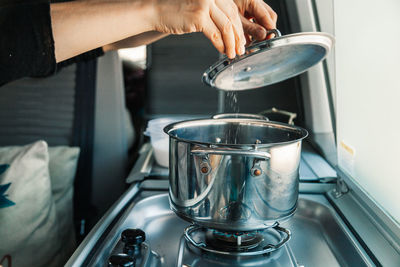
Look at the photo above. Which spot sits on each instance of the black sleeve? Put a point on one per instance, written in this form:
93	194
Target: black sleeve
26	41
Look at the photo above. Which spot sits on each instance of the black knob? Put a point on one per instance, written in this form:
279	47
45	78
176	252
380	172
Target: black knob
133	237
121	260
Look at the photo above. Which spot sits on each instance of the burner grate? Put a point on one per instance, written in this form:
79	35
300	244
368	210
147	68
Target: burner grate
226	241
237	244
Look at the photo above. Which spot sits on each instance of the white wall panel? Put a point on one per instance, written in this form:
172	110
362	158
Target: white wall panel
368	96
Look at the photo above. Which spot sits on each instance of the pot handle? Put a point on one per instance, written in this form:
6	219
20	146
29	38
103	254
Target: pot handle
291	116
250	153
240	116
285	237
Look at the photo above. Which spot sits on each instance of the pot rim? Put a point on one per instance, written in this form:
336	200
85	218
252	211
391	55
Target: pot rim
303	132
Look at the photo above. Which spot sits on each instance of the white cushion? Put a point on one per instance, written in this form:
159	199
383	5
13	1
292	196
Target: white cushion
28	229
62	167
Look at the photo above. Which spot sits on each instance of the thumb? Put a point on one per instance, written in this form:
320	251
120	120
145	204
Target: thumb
253	29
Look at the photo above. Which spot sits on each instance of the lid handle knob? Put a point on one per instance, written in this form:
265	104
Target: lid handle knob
274	31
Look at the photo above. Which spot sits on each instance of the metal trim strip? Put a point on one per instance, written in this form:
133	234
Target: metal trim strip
379	232
81	253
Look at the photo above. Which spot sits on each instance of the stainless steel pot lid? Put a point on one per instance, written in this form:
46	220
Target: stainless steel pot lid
270	61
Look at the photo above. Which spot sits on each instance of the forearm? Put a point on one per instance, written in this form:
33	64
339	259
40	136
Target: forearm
80	26
137	40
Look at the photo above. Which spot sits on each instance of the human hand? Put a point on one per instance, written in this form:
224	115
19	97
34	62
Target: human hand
257	18
219	20
144	38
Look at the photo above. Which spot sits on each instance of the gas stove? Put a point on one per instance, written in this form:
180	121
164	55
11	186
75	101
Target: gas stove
318	238
170	241
142	230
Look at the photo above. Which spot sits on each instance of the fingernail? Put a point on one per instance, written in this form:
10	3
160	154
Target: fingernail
241	50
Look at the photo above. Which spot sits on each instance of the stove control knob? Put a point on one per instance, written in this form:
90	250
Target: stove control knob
133	237
121	260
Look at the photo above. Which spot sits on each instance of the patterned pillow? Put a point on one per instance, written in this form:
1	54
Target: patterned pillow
28	224
4	202
62	167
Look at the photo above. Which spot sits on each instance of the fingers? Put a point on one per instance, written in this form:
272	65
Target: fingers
272	13
214	35
248	40
231	11
226	19
229	30
226	29
274	18
256	31
263	14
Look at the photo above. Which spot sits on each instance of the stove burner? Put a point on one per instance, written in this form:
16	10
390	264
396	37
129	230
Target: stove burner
237	244
226	241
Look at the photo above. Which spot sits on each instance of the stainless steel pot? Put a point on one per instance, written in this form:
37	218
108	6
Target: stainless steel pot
234	174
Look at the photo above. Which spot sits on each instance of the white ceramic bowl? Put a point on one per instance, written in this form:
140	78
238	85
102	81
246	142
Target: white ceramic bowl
160	140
